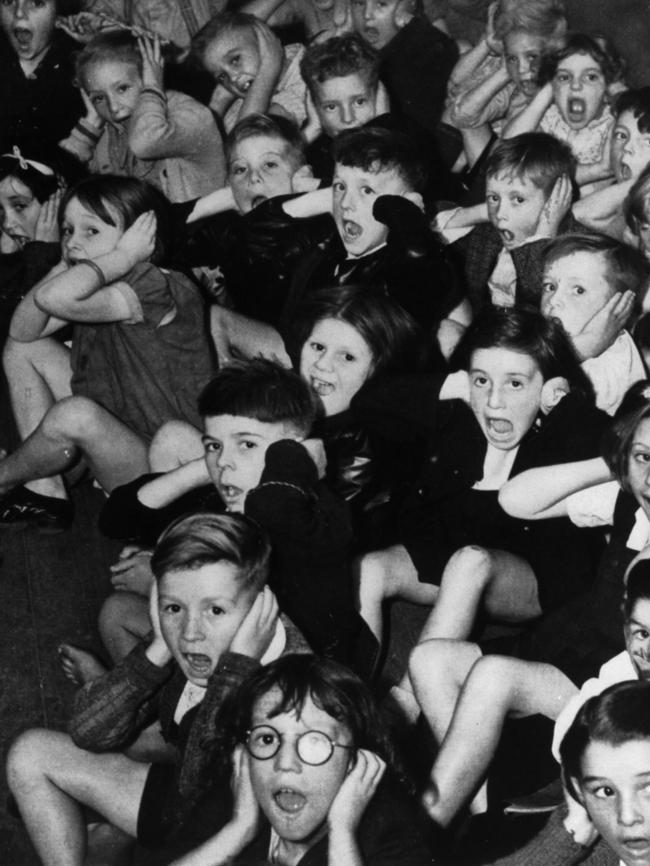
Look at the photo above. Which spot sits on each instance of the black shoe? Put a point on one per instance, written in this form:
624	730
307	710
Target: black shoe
21	508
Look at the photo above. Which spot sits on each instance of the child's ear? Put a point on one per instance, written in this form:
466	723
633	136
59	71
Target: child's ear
303	180
553	391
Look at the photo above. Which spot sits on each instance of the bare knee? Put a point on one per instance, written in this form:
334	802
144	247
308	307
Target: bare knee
174	444
470	564
27	760
492	675
435	660
75	418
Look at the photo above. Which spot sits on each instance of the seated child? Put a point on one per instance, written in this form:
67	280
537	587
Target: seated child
253	72
307	731
342	78
213	621
139	351
39	104
630	153
605	763
528	193
499	76
134	127
528	399
416	58
574	106
482	690
240	230
256	456
31	186
588	277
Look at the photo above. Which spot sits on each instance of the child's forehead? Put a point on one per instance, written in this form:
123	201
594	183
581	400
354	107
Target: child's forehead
257	145
579	59
511	179
308	716
341	85
373	174
640	612
579	261
227	426
503	359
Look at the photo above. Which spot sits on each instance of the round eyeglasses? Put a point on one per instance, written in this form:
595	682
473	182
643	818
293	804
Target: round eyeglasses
313	747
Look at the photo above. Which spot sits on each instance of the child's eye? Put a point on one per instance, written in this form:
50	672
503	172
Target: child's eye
328	106
492	198
642	457
562	77
338	186
171	608
642	633
271	165
235	60
317	347
593	77
247	445
212	447
361	100
66	231
603	792
123	88
620	135
216	610
367	190
548	287
91	232
519	199
516	384
479	381
348	357
96	99
579	290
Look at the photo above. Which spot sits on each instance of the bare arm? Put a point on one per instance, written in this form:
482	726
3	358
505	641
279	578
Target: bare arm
260	93
530	117
215	202
165	489
310	204
29	321
542	492
597	209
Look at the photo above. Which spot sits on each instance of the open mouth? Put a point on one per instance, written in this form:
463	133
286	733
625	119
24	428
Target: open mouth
321	387
528	87
290	801
19	240
636	847
625	172
507	236
23	37
229	493
258	200
242	87
576	109
198	664
352	231
499	426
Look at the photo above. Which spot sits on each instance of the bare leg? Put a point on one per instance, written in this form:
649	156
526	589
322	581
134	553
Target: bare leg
495	688
175	444
114	453
123	623
503	583
38	375
384	574
50	777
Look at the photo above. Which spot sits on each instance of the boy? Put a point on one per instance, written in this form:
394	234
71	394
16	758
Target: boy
256	456
342	77
252	70
213	621
312	775
587	278
39	105
416	59
528	195
238	229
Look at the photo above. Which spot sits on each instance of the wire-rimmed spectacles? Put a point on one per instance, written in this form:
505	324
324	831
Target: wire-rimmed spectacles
313	747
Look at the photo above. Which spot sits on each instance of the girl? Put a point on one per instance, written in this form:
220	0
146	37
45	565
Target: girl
30	194
528	400
314	778
497	78
574	105
134	127
139	351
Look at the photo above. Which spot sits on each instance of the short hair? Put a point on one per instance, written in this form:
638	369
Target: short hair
393	336
118	45
628	270
222	22
374	149
263	390
273	126
636	207
543	18
206	538
525	330
637	587
338	57
130	197
601	51
618	715
535	156
331	686
619	436
638	102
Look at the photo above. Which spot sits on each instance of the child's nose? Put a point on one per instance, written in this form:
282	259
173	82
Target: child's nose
495	397
628	811
193	627
286	758
368	12
20	9
347	114
225	458
324	361
576	84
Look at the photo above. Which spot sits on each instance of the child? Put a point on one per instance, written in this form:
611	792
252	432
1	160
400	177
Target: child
523	377
574	106
308	732
241	229
636	210
497	78
605	763
213	621
528	193
139	351
134	127
251	68
38	101
30	195
630	153
586	277
416	58
256	455
342	78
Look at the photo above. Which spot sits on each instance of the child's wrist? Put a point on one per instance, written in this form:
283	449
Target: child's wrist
158	653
